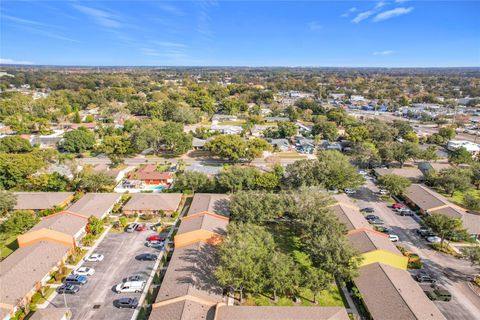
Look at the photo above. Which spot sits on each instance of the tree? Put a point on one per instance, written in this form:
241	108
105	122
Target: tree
255	206
448	133
76	117
77	141
472	254
395	184
316	280
194	181
336	172
243	255
445	226
19	222
301	173
96	182
281	274
231	147
326	130
115	144
47	182
365	154
451	180
15	168
7	202
15	144
403	152
94	226
358	134
429	154
459	156
471	202
476	174
237	178
286	129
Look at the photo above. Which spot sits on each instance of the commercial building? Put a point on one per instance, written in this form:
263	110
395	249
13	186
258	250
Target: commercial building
152	203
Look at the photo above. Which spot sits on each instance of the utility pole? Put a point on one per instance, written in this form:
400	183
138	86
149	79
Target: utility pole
65	299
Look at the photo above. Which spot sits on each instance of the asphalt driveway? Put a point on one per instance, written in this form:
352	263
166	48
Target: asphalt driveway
95	298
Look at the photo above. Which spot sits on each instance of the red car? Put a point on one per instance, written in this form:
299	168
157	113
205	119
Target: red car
156	237
141	227
398	205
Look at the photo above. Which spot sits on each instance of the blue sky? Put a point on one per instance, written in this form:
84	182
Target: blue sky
394	33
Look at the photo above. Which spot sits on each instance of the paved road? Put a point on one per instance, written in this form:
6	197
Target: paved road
95	299
452	273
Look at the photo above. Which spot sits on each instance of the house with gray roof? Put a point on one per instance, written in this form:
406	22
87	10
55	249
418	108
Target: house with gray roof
37	201
211	202
152	203
95	204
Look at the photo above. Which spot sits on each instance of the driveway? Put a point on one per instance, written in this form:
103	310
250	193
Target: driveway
95	299
451	272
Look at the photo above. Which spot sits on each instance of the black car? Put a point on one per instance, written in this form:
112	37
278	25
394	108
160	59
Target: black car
424	277
131	303
146	257
75	279
134	278
372	217
68	288
368	210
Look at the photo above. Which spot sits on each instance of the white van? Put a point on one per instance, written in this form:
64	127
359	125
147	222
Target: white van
130	286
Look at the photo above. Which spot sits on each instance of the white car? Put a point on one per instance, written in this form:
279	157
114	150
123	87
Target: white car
130	286
95	257
363	172
350	191
434	239
393	237
383	192
84	271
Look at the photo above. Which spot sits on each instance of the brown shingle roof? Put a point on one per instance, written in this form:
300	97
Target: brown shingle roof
280	313
96	204
366	241
64	222
391	294
190	272
40	200
204	221
154	201
423	197
183	310
21	270
350	217
211	202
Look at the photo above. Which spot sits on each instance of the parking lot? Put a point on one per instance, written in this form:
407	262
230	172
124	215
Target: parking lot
95	298
452	273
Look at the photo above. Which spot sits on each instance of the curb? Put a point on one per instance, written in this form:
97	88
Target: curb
470	285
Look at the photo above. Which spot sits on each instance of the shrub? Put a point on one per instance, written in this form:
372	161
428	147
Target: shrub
471	202
88	240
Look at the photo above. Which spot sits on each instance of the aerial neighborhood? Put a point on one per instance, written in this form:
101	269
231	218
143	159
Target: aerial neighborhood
239	194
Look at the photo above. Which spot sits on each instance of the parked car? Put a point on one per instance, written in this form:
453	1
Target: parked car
434	239
393	237
368	210
131	227
141	227
94	257
376	221
134	278
372	217
424	277
398	205
156	237
84	271
384	229
422	231
131	303
130	286
363	172
154	244
68	288
383	192
146	257
439	295
405	212
350	191
75	279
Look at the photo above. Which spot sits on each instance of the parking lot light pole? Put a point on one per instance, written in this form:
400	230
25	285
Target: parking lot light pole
65	299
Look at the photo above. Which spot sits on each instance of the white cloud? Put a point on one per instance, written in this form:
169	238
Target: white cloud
12	61
383	53
169	44
103	18
392	13
171	9
401	1
349	11
314	25
362	16
22	21
380	4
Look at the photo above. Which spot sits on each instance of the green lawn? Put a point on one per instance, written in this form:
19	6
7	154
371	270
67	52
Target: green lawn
329	297
458	195
8	245
37	297
290	155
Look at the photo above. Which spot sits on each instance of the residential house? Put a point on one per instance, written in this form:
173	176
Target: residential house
472	148
216	118
280	144
198	144
148	175
386	288
211	202
277	119
429	167
226	129
37	201
430	202
410	173
152	203
98	205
